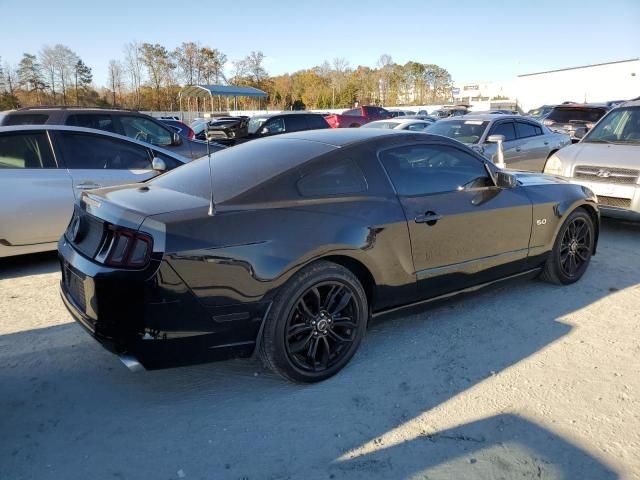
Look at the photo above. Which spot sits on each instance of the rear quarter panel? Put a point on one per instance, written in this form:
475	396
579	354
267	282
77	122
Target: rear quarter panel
244	256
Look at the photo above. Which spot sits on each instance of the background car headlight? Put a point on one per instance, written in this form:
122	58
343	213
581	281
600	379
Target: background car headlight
553	166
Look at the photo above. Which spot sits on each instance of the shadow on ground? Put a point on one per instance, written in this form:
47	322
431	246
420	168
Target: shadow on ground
70	410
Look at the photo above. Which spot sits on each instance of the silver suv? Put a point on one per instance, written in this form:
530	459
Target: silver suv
129	123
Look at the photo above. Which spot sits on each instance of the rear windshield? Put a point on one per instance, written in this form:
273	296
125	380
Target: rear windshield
26	119
465	131
574	114
240	168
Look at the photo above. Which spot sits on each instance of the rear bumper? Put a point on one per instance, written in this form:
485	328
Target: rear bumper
151	315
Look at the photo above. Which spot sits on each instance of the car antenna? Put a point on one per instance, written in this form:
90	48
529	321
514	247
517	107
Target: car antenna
212	205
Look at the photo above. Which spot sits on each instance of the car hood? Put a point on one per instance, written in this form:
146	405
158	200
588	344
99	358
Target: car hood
601	154
129	205
532	178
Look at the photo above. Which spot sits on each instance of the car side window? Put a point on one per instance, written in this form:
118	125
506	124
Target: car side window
145	130
25	119
83	151
353	113
342	178
96	121
26	151
526	130
317	121
429	169
275	125
295	122
417	127
506	129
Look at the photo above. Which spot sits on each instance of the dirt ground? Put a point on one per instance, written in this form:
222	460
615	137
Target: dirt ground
527	381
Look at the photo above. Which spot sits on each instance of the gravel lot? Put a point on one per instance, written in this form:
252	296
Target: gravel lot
526	381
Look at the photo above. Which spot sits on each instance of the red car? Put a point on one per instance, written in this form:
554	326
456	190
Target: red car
357	117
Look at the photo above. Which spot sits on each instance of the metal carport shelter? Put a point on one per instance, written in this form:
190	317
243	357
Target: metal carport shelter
209	91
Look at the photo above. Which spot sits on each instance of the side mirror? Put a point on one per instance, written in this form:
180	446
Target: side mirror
158	164
176	139
264	131
506	180
579	133
498	140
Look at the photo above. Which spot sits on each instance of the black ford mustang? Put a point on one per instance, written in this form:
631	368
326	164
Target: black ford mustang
310	235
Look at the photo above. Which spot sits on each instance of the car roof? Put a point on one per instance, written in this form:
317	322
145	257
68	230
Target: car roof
66	128
486	117
291	112
630	103
399	120
342	137
582	105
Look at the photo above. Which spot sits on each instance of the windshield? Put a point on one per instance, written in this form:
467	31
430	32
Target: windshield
465	131
255	123
620	126
573	114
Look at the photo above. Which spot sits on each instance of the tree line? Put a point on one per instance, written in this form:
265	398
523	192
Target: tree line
149	77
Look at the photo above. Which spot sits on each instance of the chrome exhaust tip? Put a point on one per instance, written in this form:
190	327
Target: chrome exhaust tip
131	363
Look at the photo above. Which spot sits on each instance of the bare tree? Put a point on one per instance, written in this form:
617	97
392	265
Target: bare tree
65	61
30	75
254	64
133	62
385	70
115	79
187	57
210	66
49	64
157	61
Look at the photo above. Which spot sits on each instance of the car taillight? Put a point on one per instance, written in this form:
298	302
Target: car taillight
191	134
127	248
548	122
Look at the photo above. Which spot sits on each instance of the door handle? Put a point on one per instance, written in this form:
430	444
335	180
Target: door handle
87	186
518	149
546	143
430	218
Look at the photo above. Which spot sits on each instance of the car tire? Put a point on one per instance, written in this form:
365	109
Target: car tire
315	324
571	251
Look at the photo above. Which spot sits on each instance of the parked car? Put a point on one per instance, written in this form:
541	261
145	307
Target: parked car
541	112
46	167
129	123
607	160
527	144
356	117
401	123
427	118
226	130
282	122
447	112
182	128
400	113
575	119
304	236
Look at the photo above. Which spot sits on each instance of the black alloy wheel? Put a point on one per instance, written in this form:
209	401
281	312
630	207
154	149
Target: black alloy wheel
576	247
322	326
315	324
572	249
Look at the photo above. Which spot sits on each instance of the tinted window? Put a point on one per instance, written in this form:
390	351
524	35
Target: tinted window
170	162
97	121
275	125
417	127
575	114
427	169
353	113
146	130
96	152
317	121
241	168
465	131
527	130
25	150
26	119
340	179
506	129
295	123
622	125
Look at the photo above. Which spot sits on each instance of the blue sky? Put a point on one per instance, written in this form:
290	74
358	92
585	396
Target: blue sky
475	40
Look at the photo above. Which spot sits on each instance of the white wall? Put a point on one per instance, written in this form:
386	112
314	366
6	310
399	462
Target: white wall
601	83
